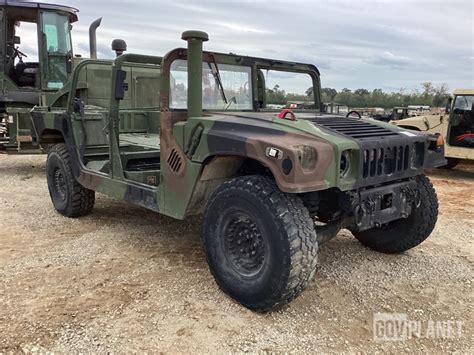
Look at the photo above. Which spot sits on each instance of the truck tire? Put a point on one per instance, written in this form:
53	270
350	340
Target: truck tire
404	234
260	243
69	198
452	162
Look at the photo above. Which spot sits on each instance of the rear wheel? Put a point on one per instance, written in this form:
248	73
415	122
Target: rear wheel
403	234
260	243
69	198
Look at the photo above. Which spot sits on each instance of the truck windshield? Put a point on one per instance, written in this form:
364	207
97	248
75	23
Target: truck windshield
57	44
236	82
292	90
464	102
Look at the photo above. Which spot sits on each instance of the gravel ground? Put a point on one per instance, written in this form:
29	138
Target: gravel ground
126	279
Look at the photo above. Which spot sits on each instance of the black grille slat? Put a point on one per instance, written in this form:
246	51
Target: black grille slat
353	128
385	161
368	134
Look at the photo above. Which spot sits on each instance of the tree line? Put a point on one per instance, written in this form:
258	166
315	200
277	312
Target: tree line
428	94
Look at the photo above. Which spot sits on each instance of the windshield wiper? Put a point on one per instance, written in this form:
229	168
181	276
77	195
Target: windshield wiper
217	78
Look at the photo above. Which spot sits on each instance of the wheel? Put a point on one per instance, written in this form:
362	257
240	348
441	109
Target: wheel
452	162
69	198
260	243
403	234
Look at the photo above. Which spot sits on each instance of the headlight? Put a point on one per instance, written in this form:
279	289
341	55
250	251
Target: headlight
345	165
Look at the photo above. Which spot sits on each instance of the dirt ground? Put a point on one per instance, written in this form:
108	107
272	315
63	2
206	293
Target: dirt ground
126	279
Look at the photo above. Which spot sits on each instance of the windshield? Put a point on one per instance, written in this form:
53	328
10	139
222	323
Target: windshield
224	87
288	89
57	42
464	102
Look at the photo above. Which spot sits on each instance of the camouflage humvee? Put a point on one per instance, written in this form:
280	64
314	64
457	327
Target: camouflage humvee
190	133
456	125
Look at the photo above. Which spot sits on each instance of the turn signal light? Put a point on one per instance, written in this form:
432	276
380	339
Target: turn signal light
439	141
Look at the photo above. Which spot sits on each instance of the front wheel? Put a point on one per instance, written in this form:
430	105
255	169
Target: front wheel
69	198
260	243
403	234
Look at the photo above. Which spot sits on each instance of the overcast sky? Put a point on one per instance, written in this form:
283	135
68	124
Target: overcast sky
355	44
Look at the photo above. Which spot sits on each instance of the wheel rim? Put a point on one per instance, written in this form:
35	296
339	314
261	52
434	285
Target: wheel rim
244	245
59	183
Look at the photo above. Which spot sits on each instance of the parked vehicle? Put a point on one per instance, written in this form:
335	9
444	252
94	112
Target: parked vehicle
30	79
456	126
190	133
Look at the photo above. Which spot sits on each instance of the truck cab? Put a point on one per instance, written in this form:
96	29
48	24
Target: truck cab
36	57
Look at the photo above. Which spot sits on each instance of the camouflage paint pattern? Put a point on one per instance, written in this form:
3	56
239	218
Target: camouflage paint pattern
197	153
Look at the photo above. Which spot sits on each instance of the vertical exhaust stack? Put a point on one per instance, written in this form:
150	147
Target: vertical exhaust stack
93	37
195	39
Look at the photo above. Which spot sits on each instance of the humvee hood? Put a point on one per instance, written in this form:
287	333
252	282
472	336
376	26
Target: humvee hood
319	125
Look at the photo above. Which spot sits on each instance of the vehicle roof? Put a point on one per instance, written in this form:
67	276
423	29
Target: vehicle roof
39	5
463	92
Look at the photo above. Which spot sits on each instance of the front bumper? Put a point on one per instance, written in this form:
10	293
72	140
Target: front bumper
372	208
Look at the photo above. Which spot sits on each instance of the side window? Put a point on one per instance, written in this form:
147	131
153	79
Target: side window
51	33
21	63
28	38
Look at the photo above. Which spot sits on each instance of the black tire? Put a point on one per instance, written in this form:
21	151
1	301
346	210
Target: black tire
275	227
69	198
452	162
404	234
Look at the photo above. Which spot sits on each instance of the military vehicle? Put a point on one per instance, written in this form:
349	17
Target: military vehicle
190	133
456	125
337	109
397	113
42	66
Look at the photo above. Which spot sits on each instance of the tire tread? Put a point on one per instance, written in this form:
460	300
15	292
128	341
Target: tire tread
292	219
82	198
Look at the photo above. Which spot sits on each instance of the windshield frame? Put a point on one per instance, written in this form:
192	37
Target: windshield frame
234	59
316	103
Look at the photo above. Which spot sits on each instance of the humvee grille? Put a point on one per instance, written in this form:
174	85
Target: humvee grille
385	161
353	128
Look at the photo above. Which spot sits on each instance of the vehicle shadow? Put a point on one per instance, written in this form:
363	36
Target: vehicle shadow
462	171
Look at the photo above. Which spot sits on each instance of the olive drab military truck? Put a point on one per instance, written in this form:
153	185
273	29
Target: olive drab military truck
36	61
456	126
190	133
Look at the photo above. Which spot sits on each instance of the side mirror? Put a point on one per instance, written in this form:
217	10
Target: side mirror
17	40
